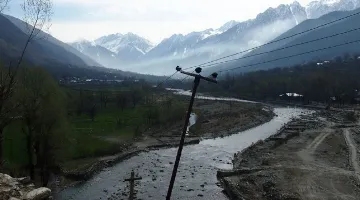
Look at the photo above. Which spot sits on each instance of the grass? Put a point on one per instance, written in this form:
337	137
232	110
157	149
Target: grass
112	130
89	138
15	152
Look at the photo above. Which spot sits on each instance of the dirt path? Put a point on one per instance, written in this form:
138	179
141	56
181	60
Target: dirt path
306	153
353	153
317	141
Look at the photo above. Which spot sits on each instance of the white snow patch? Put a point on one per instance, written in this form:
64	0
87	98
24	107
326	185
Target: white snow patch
329	2
291	10
93	43
141	51
211	33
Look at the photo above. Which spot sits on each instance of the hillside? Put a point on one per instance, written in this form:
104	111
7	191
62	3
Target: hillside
329	54
12	41
60	59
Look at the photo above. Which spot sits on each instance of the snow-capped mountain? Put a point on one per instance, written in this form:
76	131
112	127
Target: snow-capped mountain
114	50
316	9
97	53
228	25
233	36
139	55
125	45
181	46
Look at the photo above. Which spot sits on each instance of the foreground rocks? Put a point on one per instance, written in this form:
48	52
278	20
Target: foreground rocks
310	158
21	188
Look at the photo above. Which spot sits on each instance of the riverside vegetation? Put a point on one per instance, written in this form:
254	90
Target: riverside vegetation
49	126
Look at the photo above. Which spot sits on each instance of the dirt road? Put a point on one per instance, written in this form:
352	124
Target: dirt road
318	161
353	153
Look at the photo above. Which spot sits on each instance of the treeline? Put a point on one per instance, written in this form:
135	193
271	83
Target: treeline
44	125
336	81
32	118
155	106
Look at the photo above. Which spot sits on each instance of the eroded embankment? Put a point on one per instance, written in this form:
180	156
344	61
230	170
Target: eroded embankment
311	158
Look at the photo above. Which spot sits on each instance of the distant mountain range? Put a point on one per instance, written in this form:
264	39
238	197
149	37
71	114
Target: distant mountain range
131	52
59	58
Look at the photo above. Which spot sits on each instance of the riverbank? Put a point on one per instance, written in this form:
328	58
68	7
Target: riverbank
215	119
196	178
313	157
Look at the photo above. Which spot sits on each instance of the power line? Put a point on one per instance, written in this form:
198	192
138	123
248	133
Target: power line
186	77
286	57
274	41
166	79
279	49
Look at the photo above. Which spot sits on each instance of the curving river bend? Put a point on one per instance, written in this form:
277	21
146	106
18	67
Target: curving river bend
196	178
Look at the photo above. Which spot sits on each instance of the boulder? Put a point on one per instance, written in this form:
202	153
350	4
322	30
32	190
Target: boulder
21	188
8	187
38	194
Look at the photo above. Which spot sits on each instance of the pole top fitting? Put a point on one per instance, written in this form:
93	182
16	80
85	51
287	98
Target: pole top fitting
178	68
214	75
198	70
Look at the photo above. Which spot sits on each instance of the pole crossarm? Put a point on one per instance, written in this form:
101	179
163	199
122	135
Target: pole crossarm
198	75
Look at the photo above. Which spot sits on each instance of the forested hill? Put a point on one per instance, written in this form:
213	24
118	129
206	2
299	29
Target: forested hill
338	79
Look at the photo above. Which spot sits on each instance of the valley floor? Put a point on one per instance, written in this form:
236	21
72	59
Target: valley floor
314	157
215	119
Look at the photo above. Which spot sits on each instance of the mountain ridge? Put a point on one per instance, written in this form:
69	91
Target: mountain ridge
198	47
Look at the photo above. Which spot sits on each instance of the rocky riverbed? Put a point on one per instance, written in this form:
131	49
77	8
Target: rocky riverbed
313	157
197	173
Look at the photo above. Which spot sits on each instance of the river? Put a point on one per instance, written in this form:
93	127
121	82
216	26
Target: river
196	178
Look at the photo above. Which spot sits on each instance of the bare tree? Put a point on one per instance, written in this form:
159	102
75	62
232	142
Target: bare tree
37	15
3	5
37	18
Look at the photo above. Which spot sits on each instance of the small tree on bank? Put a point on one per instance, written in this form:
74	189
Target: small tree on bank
43	115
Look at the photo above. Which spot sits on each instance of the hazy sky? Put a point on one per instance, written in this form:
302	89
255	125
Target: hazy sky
152	19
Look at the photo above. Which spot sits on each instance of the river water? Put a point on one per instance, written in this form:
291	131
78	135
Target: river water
196	178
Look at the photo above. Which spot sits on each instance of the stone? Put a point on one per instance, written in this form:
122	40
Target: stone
13	198
24	180
38	194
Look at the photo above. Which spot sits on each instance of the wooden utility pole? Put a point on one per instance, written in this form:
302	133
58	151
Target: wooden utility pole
198	77
132	180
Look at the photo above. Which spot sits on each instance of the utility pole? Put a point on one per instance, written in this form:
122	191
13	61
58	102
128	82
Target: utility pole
132	180
198	77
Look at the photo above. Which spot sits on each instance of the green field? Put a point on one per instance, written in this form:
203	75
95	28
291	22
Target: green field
112	129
